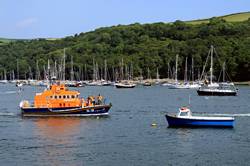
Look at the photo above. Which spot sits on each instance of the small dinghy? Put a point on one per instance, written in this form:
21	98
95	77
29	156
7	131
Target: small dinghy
184	118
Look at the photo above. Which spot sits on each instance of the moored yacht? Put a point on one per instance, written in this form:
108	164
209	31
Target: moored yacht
178	85
210	88
222	90
125	84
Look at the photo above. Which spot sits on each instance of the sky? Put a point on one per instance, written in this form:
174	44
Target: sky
27	19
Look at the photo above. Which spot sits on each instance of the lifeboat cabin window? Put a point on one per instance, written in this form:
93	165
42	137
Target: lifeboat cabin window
55	97
64	96
68	97
73	96
77	96
184	114
51	97
60	97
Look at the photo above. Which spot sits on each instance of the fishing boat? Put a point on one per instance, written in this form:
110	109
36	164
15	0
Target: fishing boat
184	118
58	100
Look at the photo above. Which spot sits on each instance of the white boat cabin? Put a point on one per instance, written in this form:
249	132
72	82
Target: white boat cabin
184	112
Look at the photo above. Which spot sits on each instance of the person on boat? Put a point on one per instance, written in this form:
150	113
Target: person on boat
87	102
99	99
206	82
84	103
91	100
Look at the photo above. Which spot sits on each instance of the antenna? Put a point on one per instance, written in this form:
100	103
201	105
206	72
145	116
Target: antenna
189	100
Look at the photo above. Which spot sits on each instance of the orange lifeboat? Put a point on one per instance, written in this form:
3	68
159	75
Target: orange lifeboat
57	100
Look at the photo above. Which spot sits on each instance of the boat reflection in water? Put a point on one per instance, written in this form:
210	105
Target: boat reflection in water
61	140
57	138
58	127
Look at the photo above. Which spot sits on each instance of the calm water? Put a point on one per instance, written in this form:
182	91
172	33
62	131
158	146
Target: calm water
126	136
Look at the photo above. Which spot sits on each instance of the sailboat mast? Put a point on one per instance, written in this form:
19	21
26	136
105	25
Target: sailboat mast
37	71
97	71
55	70
13	75
105	70
157	74
192	69
176	68
72	70
126	72
131	71
168	70
148	74
223	70
17	69
93	77
48	75
141	77
122	76
5	75
185	76
30	73
64	57
211	69
85	71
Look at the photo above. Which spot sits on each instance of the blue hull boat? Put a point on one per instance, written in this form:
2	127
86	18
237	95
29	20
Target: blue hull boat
185	119
182	122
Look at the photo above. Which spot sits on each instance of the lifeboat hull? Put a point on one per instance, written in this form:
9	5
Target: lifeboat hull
97	110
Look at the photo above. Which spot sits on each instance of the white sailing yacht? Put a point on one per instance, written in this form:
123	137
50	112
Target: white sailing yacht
214	89
125	83
178	85
194	84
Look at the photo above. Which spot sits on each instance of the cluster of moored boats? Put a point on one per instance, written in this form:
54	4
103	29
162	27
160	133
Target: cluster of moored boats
203	88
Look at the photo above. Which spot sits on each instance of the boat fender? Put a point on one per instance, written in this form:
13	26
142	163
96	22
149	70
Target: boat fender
21	104
153	124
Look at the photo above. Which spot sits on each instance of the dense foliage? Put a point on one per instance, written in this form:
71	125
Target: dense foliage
145	46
